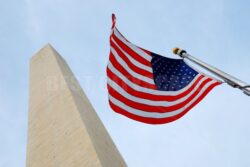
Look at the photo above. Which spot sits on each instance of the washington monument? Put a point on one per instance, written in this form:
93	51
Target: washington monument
64	129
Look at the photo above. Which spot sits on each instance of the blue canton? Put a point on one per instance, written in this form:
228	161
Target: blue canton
171	74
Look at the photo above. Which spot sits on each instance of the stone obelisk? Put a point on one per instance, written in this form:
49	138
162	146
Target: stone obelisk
64	129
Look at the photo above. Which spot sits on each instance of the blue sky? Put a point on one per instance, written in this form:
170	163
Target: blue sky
214	133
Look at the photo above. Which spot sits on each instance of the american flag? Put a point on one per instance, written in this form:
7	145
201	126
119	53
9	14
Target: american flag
148	87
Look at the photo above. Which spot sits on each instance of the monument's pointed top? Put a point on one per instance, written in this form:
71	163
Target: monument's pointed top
48	46
47	50
64	129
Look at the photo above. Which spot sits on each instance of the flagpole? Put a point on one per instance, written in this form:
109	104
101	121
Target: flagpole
230	80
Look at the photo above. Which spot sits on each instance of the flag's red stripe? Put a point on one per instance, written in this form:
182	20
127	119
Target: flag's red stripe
131	52
149	108
121	35
161	120
113	21
149	96
130	64
121	69
146	51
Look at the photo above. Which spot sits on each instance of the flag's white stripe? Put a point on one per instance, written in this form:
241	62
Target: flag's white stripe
130	71
157	114
146	90
123	92
132	46
135	62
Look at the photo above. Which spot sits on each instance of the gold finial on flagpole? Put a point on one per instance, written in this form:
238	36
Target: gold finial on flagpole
175	50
